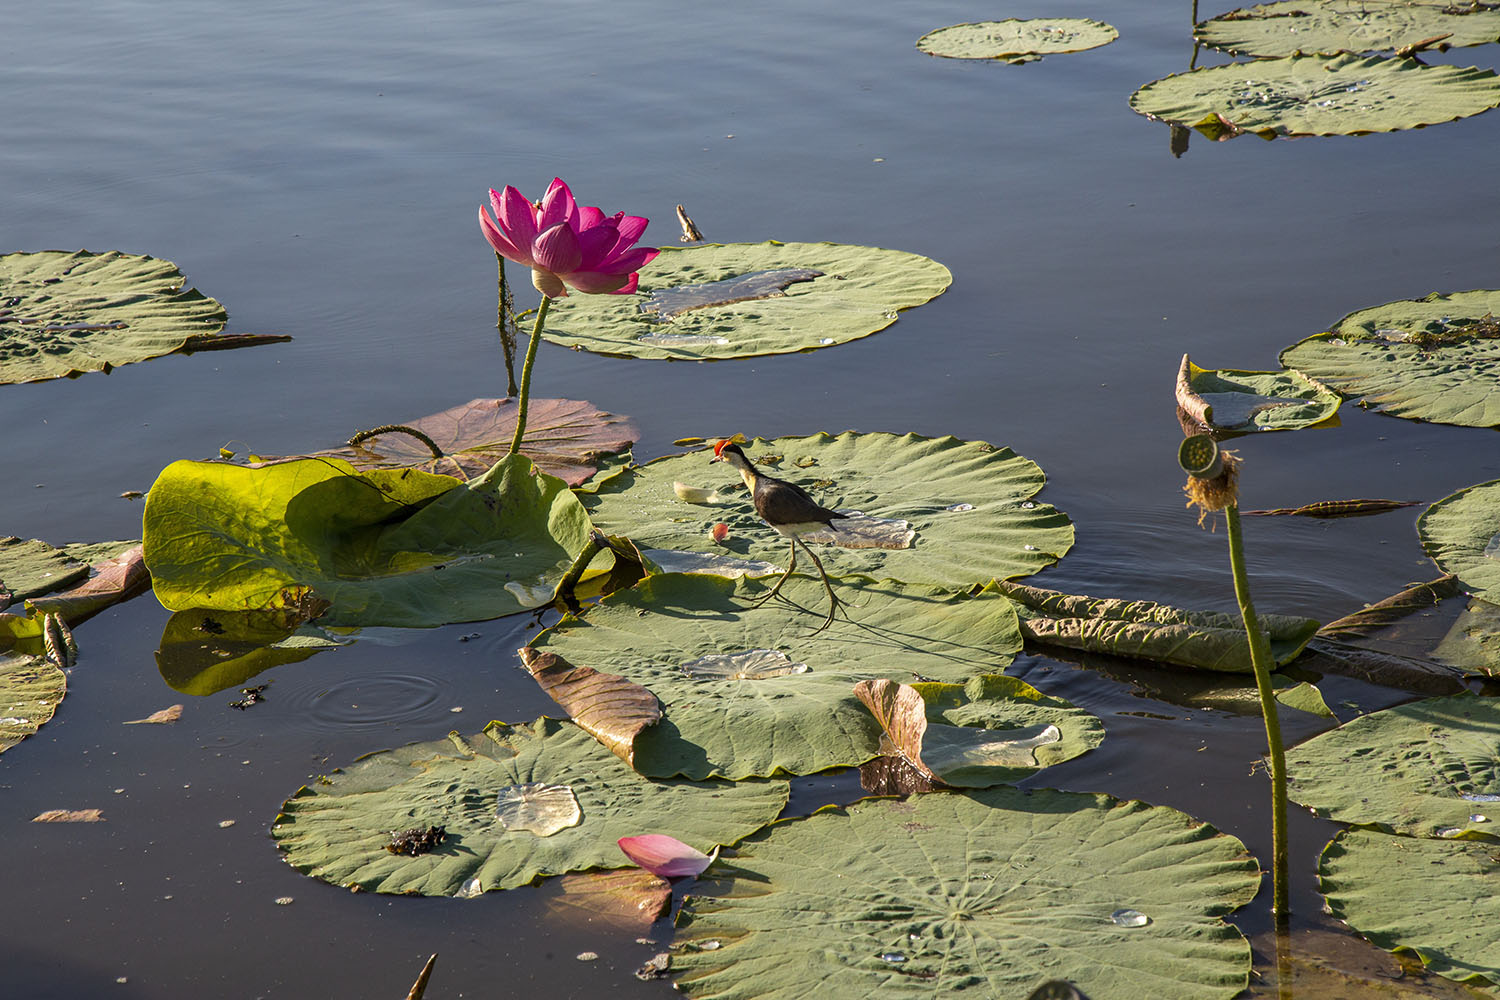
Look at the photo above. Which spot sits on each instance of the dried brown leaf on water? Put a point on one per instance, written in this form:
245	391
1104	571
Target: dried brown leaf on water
1336	508
420	986
628	899
610	708
1417	597
114	580
902	714
162	717
70	816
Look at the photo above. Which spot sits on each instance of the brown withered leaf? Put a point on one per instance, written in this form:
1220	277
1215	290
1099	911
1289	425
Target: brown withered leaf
1417	597
610	708
163	717
629	899
564	437
70	816
1336	508
113	580
891	774
419	987
902	714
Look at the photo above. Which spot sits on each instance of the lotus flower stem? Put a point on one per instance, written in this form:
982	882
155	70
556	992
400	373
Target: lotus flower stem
505	322
525	394
1263	662
361	436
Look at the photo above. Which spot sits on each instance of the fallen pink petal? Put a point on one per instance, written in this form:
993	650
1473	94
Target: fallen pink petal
664	856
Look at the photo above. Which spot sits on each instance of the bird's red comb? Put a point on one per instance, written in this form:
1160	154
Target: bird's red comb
719	448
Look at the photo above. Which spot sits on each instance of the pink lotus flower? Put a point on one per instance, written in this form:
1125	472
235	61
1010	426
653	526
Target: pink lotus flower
565	245
665	856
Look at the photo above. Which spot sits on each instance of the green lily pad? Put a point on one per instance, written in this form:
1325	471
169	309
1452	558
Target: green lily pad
338	830
754	690
1015	40
32	568
1429	769
68	313
401	548
1287	26
1435	358
740	300
1320	95
30	689
566	438
1462	535
992	730
1473	641
992	891
1228	399
1435	900
969	503
1205	640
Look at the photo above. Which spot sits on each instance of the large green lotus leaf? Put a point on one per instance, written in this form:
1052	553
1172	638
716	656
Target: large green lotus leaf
992	892
1015	40
30	689
739	300
755	690
1260	401
1473	641
566	438
1206	640
969	503
32	568
1287	26
401	548
65	313
1429	768
338	831
1435	358
1320	95
1462	535
1437	900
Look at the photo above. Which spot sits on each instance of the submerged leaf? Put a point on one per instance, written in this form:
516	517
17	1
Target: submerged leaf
566	438
1287	26
1435	358
67	313
628	899
1417	597
852	292
203	652
1017	41
1208	640
992	891
30	689
1437	762
1462	535
399	548
1319	95
968	504
337	831
754	690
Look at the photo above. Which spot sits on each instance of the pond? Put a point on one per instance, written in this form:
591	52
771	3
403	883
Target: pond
317	170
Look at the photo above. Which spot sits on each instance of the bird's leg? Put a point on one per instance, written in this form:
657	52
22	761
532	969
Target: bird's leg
833	600
776	589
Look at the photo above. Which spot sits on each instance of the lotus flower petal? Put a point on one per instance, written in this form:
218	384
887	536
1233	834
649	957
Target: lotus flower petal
599	283
630	260
595	245
632	228
588	218
517	218
497	239
665	856
558	207
556	250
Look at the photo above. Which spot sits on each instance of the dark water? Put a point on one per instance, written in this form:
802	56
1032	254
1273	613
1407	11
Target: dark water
318	171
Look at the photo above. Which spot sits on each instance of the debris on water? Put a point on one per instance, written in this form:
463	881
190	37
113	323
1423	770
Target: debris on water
654	969
468	637
588	956
250	696
416	841
284	900
225	824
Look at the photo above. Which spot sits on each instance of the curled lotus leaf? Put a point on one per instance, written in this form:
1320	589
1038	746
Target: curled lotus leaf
337	830
1319	95
969	504
387	547
30	689
992	891
1017	40
1462	535
695	303
67	313
566	438
1226	399
754	690
1438	763
1436	358
1287	26
1437	901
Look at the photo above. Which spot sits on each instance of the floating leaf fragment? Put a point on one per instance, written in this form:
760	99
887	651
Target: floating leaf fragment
163	717
850	292
1336	508
70	816
1016	40
67	313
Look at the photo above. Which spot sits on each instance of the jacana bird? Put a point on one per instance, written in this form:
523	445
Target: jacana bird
789	509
